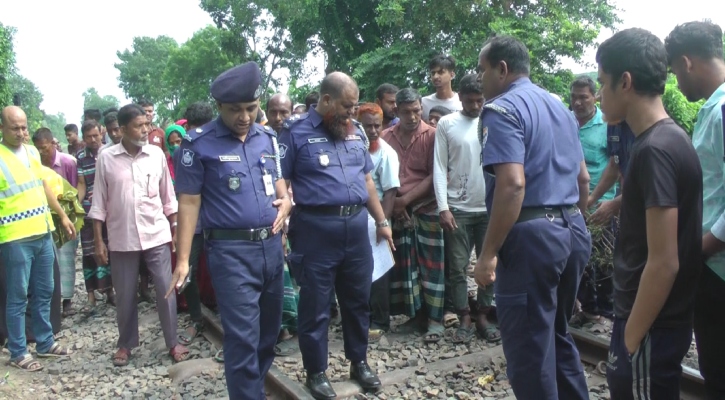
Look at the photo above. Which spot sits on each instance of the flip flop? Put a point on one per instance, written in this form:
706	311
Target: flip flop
434	334
463	335
219	356
187	338
374	335
286	348
179	353
450	320
120	359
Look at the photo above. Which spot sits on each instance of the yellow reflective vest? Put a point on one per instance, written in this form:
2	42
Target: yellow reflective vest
24	208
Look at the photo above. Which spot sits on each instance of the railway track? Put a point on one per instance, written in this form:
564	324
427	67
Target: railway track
593	351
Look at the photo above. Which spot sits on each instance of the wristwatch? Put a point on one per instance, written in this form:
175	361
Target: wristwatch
383	224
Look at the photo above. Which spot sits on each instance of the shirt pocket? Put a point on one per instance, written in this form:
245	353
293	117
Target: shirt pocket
354	153
321	154
230	175
152	185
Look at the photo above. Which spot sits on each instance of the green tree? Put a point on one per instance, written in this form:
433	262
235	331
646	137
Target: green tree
91	100
392	40
29	98
257	34
7	64
142	72
56	123
194	65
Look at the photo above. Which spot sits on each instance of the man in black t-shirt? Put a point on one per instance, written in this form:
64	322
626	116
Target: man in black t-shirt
657	257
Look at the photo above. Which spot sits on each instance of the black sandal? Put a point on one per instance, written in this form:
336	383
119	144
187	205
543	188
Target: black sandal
463	335
187	338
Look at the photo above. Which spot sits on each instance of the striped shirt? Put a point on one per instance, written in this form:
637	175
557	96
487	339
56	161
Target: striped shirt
87	169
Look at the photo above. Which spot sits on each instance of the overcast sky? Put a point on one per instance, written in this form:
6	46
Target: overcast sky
67	46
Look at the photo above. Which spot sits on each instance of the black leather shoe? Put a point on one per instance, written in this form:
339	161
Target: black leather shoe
364	375
320	387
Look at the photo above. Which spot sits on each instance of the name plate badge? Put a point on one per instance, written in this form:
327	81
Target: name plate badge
229	158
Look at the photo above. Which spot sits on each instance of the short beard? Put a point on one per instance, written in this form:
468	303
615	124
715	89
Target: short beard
335	125
374	145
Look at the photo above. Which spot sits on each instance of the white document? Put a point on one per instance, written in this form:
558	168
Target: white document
382	255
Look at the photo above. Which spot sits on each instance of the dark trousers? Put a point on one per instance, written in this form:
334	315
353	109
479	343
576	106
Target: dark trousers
191	293
380	303
540	265
654	370
596	290
710	332
249	284
327	252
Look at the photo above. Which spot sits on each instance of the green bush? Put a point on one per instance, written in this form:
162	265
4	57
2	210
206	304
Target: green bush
677	106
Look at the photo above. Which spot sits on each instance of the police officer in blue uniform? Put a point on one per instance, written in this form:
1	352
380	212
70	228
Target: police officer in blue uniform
228	175
325	158
537	244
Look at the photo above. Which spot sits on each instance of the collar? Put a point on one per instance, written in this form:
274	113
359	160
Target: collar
595	120
222	130
117	149
88	153
715	98
422	127
314	116
524	80
56	160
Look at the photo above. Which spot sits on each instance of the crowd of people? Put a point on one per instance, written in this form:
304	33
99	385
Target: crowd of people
204	210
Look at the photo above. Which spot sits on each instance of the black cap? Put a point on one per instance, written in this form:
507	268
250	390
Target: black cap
241	84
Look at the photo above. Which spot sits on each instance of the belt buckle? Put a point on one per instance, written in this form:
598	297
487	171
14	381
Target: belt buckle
345	211
264	233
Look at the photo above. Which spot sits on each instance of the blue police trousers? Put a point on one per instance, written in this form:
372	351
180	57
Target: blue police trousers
249	284
327	252
540	266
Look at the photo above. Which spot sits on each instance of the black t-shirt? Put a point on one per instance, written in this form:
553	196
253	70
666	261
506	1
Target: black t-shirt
664	171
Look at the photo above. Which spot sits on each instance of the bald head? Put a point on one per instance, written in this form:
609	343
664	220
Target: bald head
14	126
335	83
338	96
279	108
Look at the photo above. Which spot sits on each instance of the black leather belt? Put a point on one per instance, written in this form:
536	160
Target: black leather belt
238	234
340	211
529	213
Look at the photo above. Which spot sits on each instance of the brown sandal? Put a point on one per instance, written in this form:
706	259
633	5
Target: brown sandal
179	353
120	359
27	363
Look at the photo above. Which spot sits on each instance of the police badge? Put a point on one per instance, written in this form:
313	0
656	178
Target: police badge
187	159
324	160
258	92
234	183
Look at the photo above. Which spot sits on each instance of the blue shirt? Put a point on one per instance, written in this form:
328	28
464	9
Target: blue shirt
526	125
228	173
324	171
619	143
708	141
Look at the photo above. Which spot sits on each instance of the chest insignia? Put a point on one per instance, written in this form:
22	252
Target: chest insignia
229	158
352	137
317	140
234	183
282	150
324	160
614	138
187	159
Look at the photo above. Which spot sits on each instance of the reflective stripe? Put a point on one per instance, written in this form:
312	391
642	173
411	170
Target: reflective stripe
6	171
24	215
17	189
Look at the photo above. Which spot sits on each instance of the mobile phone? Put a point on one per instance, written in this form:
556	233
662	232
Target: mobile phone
186	283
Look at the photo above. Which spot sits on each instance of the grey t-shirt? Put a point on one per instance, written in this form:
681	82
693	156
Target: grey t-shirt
428	102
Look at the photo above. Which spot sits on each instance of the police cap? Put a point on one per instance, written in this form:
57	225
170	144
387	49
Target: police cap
241	84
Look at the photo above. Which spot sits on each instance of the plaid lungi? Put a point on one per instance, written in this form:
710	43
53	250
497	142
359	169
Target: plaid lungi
419	268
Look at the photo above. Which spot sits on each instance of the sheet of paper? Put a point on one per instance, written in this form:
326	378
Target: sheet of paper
382	255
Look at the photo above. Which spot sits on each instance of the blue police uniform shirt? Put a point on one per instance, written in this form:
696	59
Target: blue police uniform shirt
228	174
619	143
526	125
323	171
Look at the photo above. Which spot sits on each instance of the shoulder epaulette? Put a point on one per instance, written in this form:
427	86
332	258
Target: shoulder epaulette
269	131
198	132
294	119
361	132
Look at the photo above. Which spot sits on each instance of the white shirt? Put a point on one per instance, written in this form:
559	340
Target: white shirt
386	168
428	102
457	171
